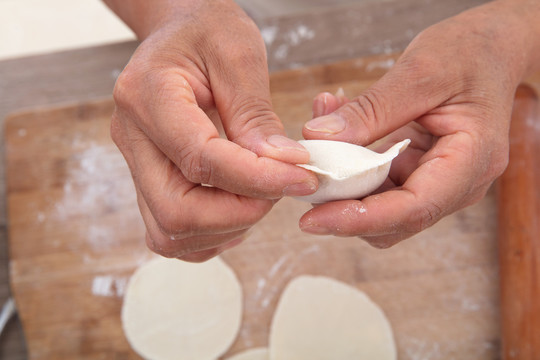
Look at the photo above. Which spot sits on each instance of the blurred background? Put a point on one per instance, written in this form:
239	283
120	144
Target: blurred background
30	27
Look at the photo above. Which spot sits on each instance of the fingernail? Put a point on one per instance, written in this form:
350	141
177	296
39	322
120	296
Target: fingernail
340	93
330	124
300	189
318	107
282	142
319	104
315	229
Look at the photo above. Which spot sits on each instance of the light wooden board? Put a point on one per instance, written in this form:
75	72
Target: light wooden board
76	237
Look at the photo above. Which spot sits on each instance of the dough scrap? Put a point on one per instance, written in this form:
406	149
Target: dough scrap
260	353
319	318
347	171
182	311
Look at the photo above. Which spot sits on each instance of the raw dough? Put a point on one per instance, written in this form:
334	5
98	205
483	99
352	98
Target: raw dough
251	354
347	171
182	311
319	318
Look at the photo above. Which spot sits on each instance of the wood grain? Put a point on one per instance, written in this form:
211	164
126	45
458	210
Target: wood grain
86	74
76	237
41	82
519	232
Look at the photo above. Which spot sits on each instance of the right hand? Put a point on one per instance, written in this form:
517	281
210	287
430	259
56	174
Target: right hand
196	70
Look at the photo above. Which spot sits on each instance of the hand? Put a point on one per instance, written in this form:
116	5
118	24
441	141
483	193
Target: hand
451	92
201	67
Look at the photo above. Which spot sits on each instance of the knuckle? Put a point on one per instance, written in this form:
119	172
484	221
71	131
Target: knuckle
166	90
194	165
162	245
136	82
367	110
153	243
424	217
126	85
171	221
251	112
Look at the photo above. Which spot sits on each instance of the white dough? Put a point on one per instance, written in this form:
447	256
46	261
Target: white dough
347	171
182	311
260	353
319	318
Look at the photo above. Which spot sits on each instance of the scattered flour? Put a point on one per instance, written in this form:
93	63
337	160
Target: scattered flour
108	285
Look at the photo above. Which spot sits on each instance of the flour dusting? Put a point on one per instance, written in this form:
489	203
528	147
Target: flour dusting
301	33
109	285
268	34
383	64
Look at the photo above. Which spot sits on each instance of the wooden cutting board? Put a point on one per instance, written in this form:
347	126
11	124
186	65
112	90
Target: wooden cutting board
76	237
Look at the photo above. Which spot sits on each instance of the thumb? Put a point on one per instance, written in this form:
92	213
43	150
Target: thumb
243	100
404	94
252	124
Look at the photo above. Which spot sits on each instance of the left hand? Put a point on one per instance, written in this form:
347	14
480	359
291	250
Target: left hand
451	93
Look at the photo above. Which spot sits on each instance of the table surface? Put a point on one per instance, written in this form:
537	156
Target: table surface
89	74
76	236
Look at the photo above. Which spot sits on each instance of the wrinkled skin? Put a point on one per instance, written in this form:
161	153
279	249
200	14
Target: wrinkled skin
201	67
451	93
185	81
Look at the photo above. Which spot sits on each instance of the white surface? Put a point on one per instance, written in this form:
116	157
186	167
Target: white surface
319	318
182	311
29	27
251	354
347	171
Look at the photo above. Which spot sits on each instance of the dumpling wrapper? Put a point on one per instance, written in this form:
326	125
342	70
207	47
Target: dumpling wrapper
182	311
347	171
319	318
